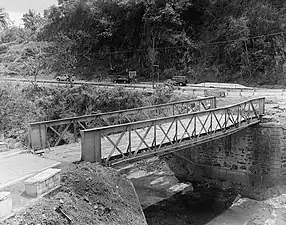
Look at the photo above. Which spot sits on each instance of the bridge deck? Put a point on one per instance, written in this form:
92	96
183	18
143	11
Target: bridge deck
72	152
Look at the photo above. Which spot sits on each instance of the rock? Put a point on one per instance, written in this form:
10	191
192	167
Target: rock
181	187
268	118
11	145
86	199
190	188
10	140
18	145
195	194
225	185
273	106
3	146
282	106
4	48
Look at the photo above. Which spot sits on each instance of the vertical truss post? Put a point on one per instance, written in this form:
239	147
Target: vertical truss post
130	140
195	125
261	107
211	124
155	136
74	130
238	116
214	103
225	118
176	131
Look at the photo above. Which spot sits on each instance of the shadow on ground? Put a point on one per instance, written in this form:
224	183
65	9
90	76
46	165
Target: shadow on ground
196	208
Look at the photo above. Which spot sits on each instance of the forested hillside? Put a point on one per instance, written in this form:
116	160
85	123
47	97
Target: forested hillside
239	40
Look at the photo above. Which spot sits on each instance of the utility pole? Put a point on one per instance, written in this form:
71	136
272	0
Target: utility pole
153	61
157	70
247	58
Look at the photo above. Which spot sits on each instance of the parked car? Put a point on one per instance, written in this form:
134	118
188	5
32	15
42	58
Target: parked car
179	80
64	78
122	79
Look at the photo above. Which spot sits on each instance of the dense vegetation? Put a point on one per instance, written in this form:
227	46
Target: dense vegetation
23	104
239	40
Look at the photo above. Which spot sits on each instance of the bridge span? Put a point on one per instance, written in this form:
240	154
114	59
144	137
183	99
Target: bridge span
133	141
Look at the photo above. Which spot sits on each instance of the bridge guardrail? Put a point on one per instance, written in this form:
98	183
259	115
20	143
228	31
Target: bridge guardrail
133	86
195	90
52	133
98	84
130	141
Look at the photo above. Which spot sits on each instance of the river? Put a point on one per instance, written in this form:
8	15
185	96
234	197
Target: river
166	201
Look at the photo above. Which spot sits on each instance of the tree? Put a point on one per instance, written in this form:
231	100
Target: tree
203	35
32	20
35	61
3	18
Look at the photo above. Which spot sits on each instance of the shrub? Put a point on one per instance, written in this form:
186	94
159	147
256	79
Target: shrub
16	111
21	105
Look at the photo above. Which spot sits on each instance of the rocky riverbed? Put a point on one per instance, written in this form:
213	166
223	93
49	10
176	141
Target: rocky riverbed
168	201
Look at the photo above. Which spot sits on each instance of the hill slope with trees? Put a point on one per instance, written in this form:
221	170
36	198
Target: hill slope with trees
217	40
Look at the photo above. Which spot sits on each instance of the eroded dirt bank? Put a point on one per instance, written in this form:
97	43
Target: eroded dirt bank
89	194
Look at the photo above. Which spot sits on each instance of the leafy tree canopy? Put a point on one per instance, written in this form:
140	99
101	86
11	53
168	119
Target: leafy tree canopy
239	40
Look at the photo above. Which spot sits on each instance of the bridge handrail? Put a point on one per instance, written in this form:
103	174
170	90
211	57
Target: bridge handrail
84	117
139	124
218	119
38	134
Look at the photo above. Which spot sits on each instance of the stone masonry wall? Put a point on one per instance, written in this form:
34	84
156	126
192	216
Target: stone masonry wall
232	152
283	150
255	154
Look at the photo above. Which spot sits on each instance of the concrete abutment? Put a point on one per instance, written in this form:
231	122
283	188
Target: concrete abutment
255	155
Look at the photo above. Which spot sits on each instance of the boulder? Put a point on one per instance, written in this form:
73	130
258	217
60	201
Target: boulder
18	145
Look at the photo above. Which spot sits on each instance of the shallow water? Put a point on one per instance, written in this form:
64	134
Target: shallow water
211	206
167	201
198	207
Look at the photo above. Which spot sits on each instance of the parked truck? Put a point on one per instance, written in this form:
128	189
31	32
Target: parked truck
127	77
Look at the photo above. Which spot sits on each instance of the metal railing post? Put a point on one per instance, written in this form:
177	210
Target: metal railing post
225	118
214	103
129	140
74	130
155	136
261	107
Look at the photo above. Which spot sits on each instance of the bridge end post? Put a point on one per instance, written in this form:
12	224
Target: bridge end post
90	146
37	134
